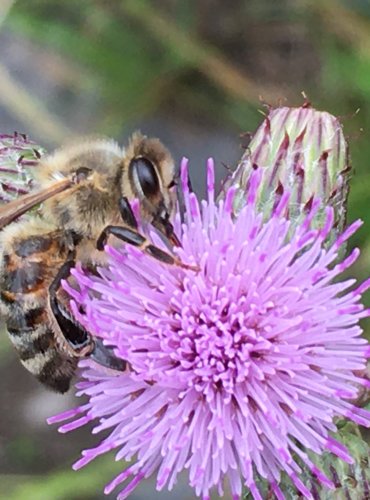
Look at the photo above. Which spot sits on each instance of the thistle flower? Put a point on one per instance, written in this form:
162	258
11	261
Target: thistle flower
301	150
18	155
237	371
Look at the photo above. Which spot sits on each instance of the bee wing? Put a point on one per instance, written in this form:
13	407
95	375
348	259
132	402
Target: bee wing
13	209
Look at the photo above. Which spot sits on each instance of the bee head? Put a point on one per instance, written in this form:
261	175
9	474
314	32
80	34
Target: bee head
149	171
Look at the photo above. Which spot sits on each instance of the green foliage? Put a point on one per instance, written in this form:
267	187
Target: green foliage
61	485
122	67
350	480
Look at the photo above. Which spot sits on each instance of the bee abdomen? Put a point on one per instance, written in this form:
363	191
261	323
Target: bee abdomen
57	372
40	357
20	320
30	260
33	245
34	340
39	342
28	278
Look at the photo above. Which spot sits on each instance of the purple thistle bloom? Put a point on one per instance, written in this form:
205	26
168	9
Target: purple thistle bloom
237	371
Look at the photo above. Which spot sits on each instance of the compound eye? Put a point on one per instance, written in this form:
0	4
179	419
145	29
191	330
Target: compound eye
145	177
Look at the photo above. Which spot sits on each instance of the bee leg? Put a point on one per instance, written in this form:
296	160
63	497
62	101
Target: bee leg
133	237
163	225
104	356
166	229
180	202
180	197
126	212
76	339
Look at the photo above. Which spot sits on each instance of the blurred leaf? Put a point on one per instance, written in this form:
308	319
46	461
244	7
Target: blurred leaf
124	66
62	485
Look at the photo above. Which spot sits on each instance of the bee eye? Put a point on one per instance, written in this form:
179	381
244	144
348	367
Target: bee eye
145	177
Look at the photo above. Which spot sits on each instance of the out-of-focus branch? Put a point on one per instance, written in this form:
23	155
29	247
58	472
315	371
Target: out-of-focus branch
199	54
29	110
345	23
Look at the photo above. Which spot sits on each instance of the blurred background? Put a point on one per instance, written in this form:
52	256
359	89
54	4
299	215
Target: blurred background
195	74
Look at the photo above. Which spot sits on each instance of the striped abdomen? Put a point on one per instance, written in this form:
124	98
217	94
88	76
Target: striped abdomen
27	273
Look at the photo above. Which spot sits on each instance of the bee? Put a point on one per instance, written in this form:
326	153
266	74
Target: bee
89	201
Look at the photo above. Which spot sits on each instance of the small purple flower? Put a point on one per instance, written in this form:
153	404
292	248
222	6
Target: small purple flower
237	371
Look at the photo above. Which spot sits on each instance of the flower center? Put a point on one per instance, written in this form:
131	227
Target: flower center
218	343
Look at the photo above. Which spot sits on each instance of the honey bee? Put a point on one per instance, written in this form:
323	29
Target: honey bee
89	202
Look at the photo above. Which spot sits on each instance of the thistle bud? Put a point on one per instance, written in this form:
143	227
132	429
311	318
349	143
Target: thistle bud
304	152
18	156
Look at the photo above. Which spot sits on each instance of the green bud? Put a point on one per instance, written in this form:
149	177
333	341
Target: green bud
300	150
